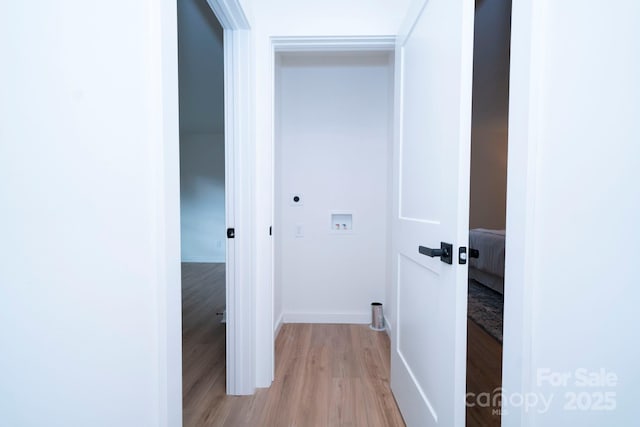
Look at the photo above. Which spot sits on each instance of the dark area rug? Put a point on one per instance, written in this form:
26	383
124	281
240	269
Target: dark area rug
485	308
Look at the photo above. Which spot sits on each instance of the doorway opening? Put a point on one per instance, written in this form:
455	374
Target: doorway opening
334	120
332	196
487	210
202	207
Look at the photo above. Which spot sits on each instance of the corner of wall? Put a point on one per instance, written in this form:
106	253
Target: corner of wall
278	325
388	327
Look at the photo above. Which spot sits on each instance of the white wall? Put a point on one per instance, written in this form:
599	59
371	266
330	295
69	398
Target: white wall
581	221
293	18
332	146
202	159
202	213
83	266
490	114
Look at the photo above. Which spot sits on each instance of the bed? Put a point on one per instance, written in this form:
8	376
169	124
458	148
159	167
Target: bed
488	267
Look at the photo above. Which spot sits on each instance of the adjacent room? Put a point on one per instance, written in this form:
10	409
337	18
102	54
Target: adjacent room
333	153
202	208
487	214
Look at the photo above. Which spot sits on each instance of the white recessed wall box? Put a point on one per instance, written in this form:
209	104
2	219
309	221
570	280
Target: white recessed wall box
341	222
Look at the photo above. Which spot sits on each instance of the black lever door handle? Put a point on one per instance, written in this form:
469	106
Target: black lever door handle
474	253
445	252
431	252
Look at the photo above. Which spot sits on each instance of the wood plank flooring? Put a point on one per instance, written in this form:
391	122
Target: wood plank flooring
484	373
203	338
326	375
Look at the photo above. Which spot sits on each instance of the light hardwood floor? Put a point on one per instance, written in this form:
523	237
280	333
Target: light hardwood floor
326	375
203	338
484	373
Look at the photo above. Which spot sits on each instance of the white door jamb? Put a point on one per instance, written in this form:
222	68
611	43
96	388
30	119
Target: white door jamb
240	336
524	105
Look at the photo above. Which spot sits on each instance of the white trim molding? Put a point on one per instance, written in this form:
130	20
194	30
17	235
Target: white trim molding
387	326
164	125
239	196
524	105
336	318
230	14
333	44
279	323
239	188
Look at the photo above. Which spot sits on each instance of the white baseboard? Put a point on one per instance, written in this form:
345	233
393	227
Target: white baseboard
203	260
279	323
349	318
387	326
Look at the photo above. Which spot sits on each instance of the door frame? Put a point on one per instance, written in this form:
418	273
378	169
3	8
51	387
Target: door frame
301	44
239	311
164	128
525	83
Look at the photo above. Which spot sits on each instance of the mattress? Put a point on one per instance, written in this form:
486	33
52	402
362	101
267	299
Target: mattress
489	265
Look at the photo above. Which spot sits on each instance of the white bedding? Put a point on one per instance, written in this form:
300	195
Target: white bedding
490	263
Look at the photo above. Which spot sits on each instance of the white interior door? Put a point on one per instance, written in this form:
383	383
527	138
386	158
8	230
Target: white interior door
433	121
